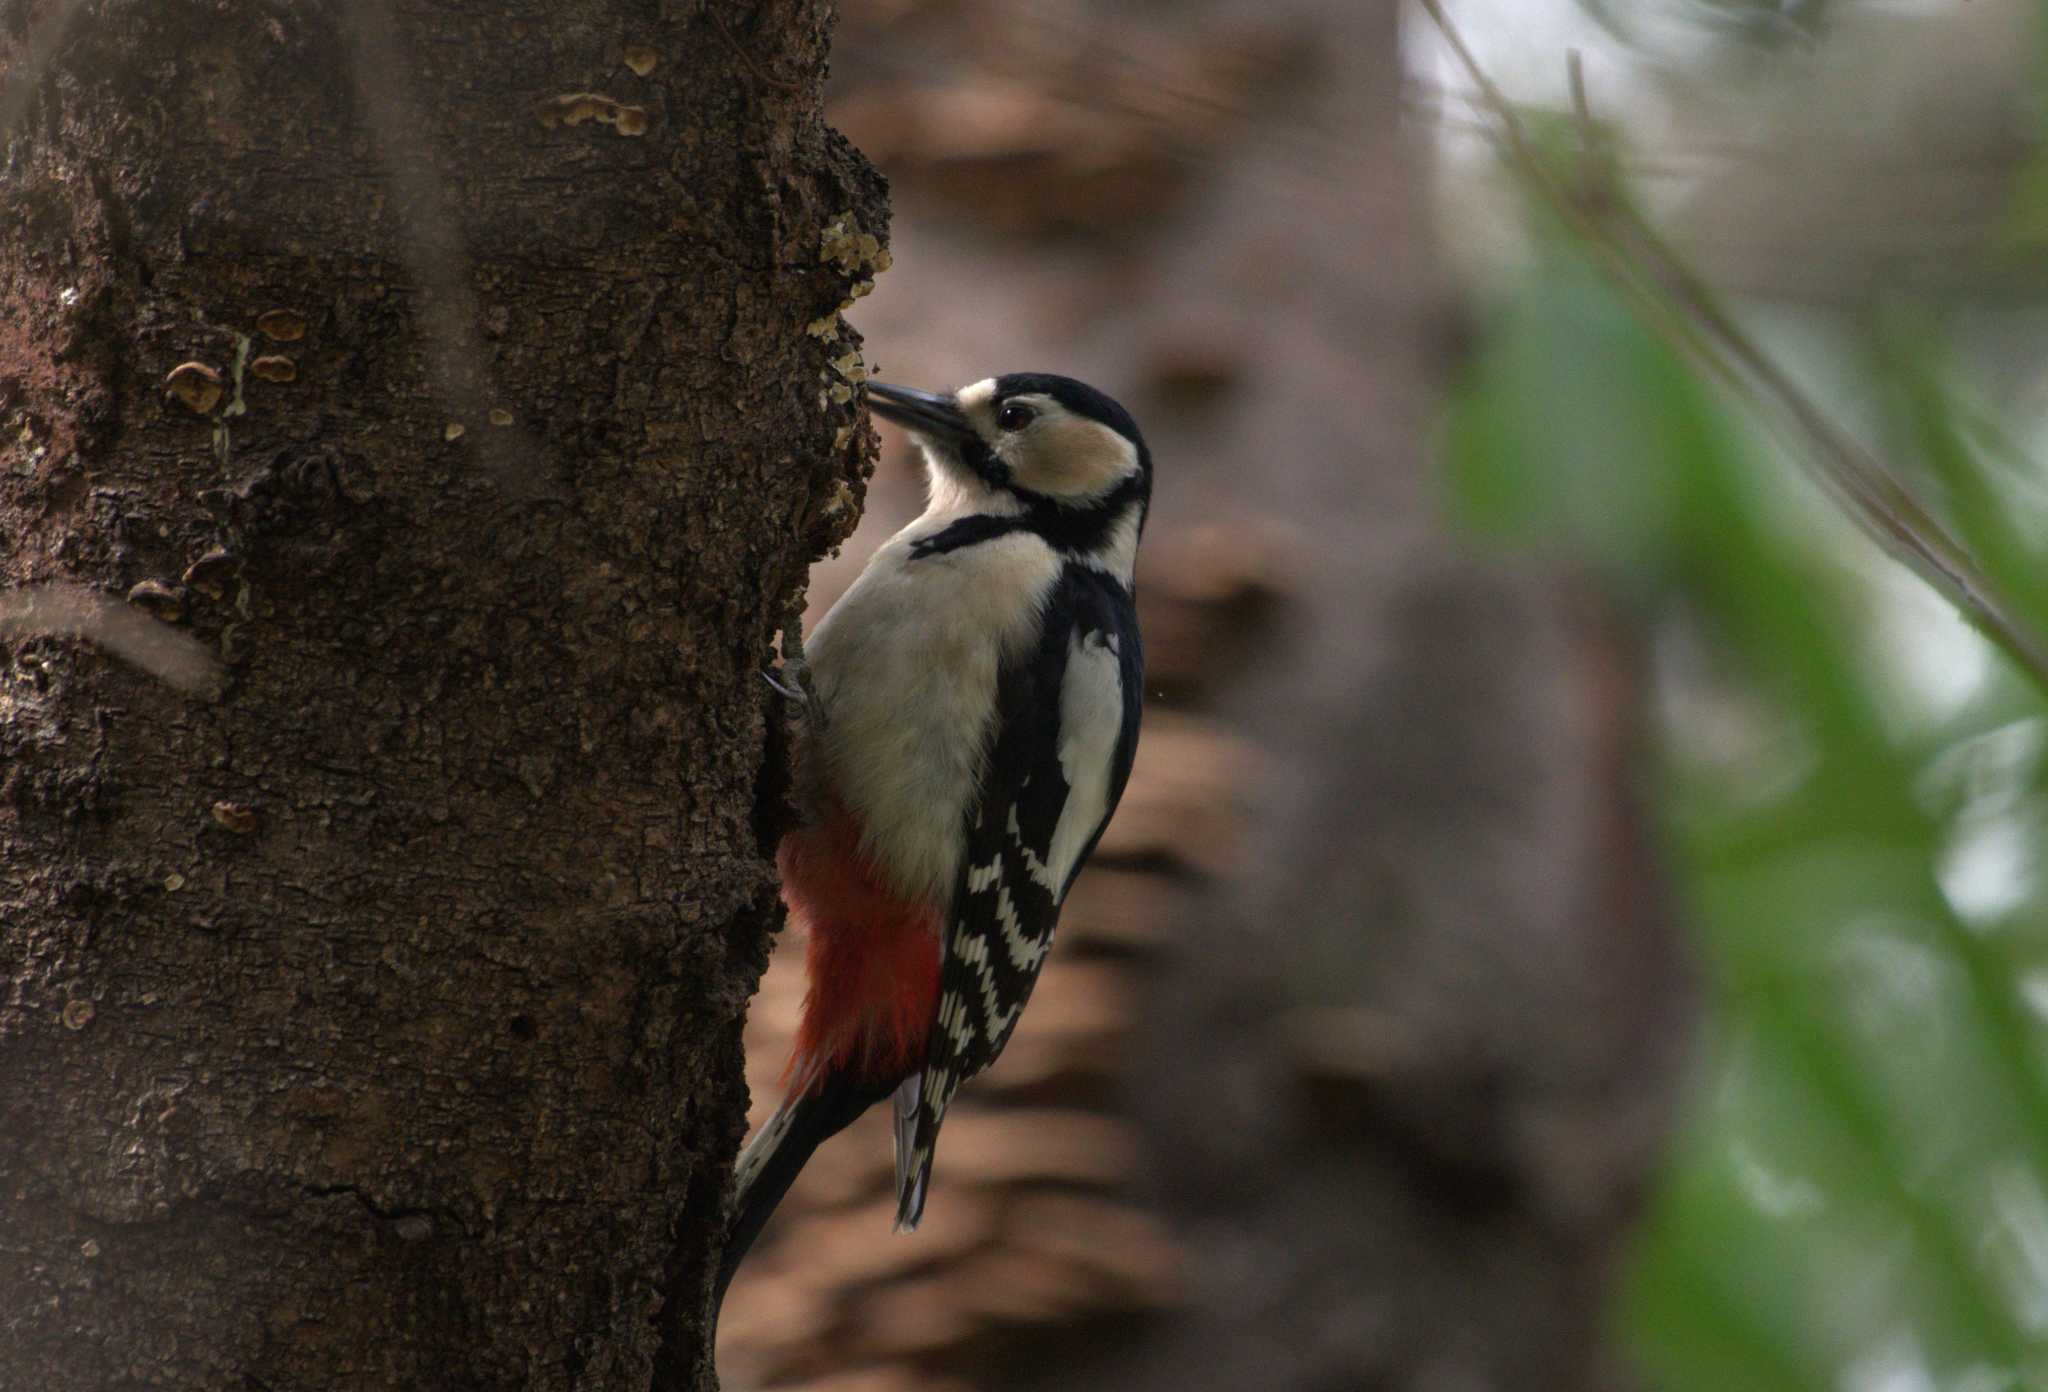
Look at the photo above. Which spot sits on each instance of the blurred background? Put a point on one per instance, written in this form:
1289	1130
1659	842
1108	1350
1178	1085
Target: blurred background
1577	919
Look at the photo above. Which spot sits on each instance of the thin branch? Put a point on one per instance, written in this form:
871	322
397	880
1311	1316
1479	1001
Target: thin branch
64	610
1575	73
1680	303
432	246
20	82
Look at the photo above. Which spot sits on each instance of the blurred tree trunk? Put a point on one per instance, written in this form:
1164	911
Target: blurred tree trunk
1407	1081
371	1016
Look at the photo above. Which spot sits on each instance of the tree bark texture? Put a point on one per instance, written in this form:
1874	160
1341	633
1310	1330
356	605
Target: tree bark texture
468	380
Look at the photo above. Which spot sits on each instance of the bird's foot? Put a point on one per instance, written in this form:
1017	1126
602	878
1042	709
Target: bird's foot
794	683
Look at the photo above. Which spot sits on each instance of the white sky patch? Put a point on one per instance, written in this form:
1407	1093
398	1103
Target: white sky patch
1933	662
1522	45
1988	772
1991	866
1896	1363
2034	991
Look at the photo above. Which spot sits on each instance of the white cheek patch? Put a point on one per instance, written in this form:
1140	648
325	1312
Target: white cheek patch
1069	456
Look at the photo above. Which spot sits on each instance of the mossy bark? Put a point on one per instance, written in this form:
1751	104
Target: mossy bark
371	1016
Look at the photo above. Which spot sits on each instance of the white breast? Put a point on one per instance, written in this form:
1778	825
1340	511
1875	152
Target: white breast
905	667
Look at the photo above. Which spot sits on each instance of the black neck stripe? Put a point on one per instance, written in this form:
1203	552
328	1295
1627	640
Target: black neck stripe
1078	531
968	531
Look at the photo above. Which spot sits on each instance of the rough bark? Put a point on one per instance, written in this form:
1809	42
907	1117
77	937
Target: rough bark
369	1017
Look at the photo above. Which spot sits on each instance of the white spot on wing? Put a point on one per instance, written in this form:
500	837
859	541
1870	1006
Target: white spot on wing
1091	718
1118	554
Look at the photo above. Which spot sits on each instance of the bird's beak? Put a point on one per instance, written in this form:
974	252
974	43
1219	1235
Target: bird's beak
929	414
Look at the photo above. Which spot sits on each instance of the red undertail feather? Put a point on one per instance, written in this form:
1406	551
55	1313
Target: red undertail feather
873	958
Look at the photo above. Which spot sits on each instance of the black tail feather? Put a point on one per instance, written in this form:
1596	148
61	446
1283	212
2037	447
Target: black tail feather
821	1113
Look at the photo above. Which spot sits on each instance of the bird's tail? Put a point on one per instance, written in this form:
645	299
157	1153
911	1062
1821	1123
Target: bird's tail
913	1162
821	1103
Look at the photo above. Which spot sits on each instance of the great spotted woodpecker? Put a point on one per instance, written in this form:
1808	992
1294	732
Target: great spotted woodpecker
971	717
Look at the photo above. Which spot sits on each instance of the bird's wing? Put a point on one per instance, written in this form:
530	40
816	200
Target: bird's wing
1066	732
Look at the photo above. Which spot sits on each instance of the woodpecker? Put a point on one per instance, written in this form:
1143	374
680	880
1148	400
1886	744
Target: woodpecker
970	715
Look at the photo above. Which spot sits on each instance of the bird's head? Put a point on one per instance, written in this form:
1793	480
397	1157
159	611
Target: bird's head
1034	443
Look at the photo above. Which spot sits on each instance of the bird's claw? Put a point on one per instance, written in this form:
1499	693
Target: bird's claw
794	682
798	691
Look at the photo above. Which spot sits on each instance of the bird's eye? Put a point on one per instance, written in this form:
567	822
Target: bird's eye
1014	416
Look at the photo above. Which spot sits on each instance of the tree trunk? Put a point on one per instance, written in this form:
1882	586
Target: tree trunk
1408	1078
371	1008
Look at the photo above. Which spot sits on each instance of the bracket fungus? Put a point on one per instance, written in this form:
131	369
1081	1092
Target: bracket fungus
579	107
281	325
195	384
